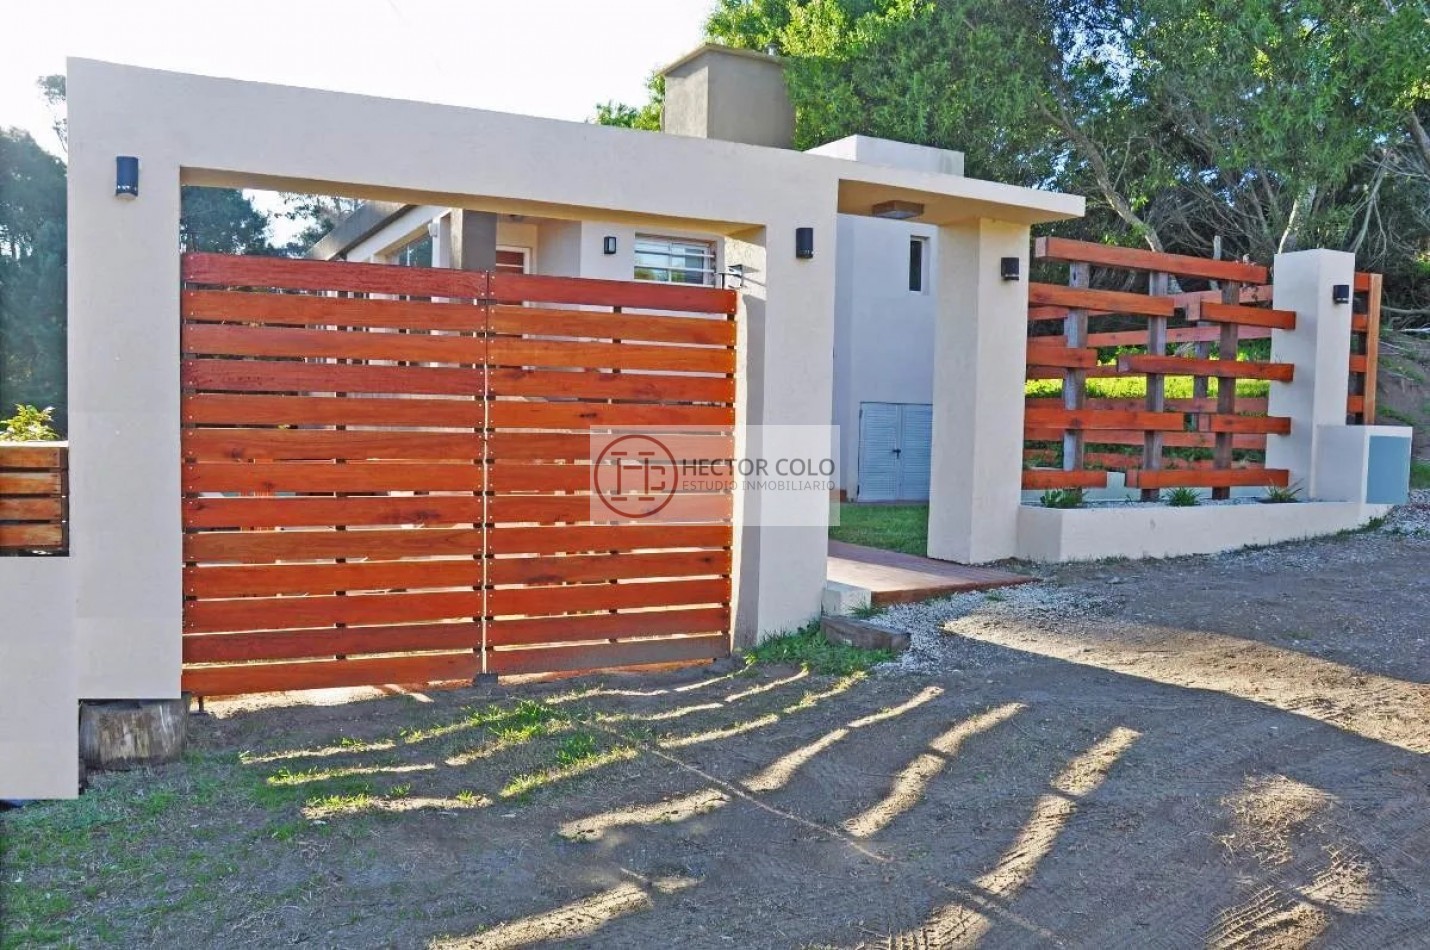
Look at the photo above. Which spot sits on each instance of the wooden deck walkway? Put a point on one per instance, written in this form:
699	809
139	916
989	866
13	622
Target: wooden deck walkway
894	578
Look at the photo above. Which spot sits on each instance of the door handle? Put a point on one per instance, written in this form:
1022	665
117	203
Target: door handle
896	452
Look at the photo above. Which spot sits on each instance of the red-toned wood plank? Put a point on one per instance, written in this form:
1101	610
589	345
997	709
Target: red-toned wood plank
1104	419
646	623
1056	354
323	311
510	445
218	445
1209	478
584	538
1362	281
1188	404
687	507
1358	362
515	288
237	409
290	274
269	580
273	376
33	455
650	328
510	414
1225	369
1355	405
29	483
212	339
259	547
300	512
1214	312
584	598
235	476
1198	334
32	536
1265	425
262	613
31	509
300	644
609	655
1039	479
1128	258
1112	301
328	674
1360	322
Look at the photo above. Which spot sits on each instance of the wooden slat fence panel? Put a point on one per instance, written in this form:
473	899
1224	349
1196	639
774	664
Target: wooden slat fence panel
1213	437
396	489
34	498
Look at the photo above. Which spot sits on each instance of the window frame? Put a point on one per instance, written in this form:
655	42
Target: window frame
675	248
918	264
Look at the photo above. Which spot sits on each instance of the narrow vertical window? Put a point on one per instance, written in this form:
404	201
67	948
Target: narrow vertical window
917	248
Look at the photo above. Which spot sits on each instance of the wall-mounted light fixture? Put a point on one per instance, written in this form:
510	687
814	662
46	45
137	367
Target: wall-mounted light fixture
608	244
897	210
804	243
126	176
1008	268
1341	293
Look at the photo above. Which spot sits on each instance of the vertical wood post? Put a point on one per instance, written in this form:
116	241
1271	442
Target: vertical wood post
1372	349
1158	285
1226	388
1074	379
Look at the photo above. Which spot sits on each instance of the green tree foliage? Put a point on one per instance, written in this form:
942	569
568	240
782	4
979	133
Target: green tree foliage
1269	124
646	117
28	424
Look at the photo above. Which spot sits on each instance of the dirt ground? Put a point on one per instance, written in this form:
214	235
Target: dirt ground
1224	752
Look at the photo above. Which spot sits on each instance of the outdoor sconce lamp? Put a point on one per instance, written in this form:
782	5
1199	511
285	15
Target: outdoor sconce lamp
1341	293
609	244
126	176
804	243
1008	268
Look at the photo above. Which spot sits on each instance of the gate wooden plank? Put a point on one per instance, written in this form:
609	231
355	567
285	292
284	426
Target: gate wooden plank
38	536
291	274
1209	478
232	409
257	547
311	310
646	623
271	376
261	613
650	328
301	512
649	387
31	509
328	674
436	475
517	288
260	580
584	538
581	598
685	507
310	444
582	415
608	655
510	445
300	644
33	483
1226	369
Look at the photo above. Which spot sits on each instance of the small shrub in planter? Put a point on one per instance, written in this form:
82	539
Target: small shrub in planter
29	424
1182	498
1276	495
1064	498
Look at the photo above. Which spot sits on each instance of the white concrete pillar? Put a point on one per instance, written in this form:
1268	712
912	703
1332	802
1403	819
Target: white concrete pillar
980	361
786	349
1319	348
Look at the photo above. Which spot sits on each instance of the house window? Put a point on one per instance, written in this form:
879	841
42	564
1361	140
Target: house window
918	264
512	260
675	260
415	253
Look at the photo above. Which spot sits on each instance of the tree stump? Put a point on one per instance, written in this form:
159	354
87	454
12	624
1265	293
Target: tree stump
132	733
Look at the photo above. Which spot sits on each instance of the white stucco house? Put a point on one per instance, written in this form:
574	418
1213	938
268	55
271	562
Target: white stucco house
885	297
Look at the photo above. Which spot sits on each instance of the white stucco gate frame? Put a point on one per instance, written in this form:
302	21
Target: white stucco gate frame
114	626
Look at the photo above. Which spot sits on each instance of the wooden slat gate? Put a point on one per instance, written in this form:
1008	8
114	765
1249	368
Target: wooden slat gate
386	473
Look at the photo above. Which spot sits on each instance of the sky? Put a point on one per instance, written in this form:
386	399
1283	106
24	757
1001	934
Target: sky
553	58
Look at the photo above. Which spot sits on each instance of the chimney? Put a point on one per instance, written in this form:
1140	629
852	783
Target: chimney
735	95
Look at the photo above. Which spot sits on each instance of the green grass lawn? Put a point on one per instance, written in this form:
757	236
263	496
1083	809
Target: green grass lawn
892	527
1419	473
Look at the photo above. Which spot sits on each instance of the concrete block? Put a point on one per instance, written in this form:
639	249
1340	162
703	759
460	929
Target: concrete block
845	598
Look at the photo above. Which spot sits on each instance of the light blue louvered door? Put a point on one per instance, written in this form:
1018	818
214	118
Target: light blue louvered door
894	451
